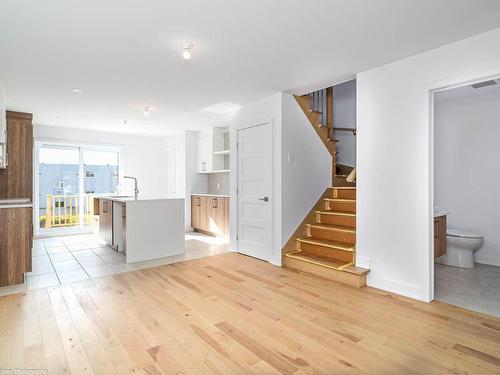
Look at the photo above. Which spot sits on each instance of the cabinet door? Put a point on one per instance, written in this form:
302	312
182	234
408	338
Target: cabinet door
16	240
205	213
225	217
215	216
439	236
195	211
17	180
437	243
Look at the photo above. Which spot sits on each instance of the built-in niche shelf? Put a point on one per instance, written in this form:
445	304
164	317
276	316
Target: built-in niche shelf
213	150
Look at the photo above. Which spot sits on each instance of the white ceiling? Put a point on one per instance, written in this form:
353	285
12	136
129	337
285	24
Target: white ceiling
126	54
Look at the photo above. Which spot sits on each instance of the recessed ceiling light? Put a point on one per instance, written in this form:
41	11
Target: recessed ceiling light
223	108
186	54
77	91
125	122
146	111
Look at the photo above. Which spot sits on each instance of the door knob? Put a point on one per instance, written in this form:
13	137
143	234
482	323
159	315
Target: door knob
265	199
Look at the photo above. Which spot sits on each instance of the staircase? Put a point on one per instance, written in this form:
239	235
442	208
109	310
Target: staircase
325	242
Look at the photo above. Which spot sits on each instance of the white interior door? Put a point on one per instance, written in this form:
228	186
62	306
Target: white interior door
168	173
254	191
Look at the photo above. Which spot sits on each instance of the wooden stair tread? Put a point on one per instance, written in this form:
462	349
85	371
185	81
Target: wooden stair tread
356	270
345	187
341	228
328	243
340	213
340	200
319	260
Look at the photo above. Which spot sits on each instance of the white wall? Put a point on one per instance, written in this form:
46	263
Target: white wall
141	155
466	156
259	112
306	166
344	116
394	184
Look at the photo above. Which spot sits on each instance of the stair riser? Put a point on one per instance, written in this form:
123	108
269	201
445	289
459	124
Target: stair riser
344	193
356	281
326	251
332	235
346	221
340	206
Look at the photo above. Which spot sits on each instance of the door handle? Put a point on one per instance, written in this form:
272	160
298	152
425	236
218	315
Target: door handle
265	199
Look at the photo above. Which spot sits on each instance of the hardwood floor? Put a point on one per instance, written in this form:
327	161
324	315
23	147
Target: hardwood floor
231	314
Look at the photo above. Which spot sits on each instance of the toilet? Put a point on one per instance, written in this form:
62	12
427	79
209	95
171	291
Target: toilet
460	248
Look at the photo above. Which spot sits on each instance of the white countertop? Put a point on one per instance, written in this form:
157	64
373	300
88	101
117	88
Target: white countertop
211	195
126	198
440	213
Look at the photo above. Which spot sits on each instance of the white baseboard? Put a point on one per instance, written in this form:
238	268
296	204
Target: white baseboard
407	290
492	260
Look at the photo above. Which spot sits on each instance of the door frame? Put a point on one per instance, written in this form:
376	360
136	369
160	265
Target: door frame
81	146
460	82
269	124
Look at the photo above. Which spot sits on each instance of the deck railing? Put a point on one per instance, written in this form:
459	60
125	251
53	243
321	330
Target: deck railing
64	210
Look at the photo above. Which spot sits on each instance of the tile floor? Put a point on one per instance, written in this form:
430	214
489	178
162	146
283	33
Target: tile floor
476	289
61	260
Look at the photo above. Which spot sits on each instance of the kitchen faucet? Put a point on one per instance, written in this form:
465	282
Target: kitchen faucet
136	191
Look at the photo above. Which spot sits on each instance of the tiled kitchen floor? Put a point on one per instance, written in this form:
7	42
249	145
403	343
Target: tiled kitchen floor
476	289
61	260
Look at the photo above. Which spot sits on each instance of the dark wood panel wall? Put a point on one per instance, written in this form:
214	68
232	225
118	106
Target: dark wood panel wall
17	180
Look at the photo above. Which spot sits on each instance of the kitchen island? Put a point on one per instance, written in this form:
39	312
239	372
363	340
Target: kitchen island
144	228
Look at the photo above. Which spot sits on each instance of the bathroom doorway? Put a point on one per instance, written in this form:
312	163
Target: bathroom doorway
466	196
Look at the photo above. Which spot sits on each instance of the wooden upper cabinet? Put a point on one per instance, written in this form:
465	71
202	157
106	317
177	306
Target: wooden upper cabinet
16	181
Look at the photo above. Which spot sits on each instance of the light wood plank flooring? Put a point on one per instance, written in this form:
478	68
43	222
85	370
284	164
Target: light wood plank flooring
231	314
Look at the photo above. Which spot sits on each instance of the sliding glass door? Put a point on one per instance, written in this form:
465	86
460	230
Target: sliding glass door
67	178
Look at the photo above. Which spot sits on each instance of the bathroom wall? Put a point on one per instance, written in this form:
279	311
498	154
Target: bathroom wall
467	169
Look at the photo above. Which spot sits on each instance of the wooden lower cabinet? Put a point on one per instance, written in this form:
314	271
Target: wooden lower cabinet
439	236
16	243
210	214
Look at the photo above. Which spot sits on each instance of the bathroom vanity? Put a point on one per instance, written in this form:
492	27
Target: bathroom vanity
439	234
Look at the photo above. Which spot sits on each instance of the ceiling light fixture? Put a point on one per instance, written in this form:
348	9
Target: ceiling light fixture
77	91
186	54
146	111
125	122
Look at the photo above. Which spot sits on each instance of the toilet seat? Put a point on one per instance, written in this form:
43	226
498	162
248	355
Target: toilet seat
462	233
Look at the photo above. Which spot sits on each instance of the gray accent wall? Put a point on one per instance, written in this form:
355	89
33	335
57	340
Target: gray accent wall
344	116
